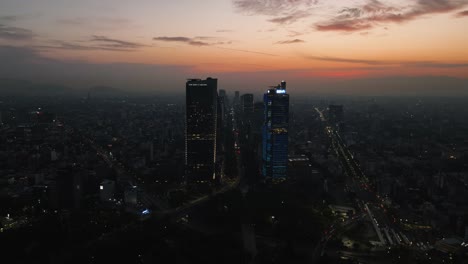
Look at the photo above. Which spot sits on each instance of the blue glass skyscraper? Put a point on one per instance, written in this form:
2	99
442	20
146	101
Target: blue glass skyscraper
275	132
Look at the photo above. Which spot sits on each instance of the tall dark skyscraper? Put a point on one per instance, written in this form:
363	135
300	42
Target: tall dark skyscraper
275	132
247	103
201	125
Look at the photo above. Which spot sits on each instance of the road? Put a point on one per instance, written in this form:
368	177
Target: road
367	200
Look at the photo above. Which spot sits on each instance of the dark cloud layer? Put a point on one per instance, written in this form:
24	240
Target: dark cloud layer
15	33
291	41
63	45
346	60
270	7
198	41
115	43
283	12
419	64
462	13
93	43
374	13
290	18
9	18
189	41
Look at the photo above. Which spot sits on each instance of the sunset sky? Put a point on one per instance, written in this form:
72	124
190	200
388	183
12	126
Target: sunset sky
155	44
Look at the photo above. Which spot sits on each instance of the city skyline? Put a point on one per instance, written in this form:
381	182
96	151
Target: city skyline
150	44
234	131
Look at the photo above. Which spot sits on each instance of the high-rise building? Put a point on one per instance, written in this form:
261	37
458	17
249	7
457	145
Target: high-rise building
222	101
220	127
236	97
275	132
200	134
247	103
222	93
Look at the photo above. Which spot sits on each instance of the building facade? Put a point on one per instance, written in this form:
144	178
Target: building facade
275	132
201	130
247	103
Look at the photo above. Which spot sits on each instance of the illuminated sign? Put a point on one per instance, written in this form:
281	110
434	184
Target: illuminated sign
280	91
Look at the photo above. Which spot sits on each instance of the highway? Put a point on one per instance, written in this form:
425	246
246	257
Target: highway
367	200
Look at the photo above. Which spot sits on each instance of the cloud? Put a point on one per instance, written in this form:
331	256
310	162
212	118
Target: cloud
196	41
282	11
292	41
344	26
107	42
290	18
293	33
225	30
346	60
63	45
96	23
248	51
15	33
9	18
418	64
271	7
434	64
462	13
205	37
93	43
374	13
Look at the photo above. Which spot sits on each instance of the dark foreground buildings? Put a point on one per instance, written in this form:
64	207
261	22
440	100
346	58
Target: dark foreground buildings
200	134
275	132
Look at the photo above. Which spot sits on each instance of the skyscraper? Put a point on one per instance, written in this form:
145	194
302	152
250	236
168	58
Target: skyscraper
275	132
222	93
200	134
247	103
236	98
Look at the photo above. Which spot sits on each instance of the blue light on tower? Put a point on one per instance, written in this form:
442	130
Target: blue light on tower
146	212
